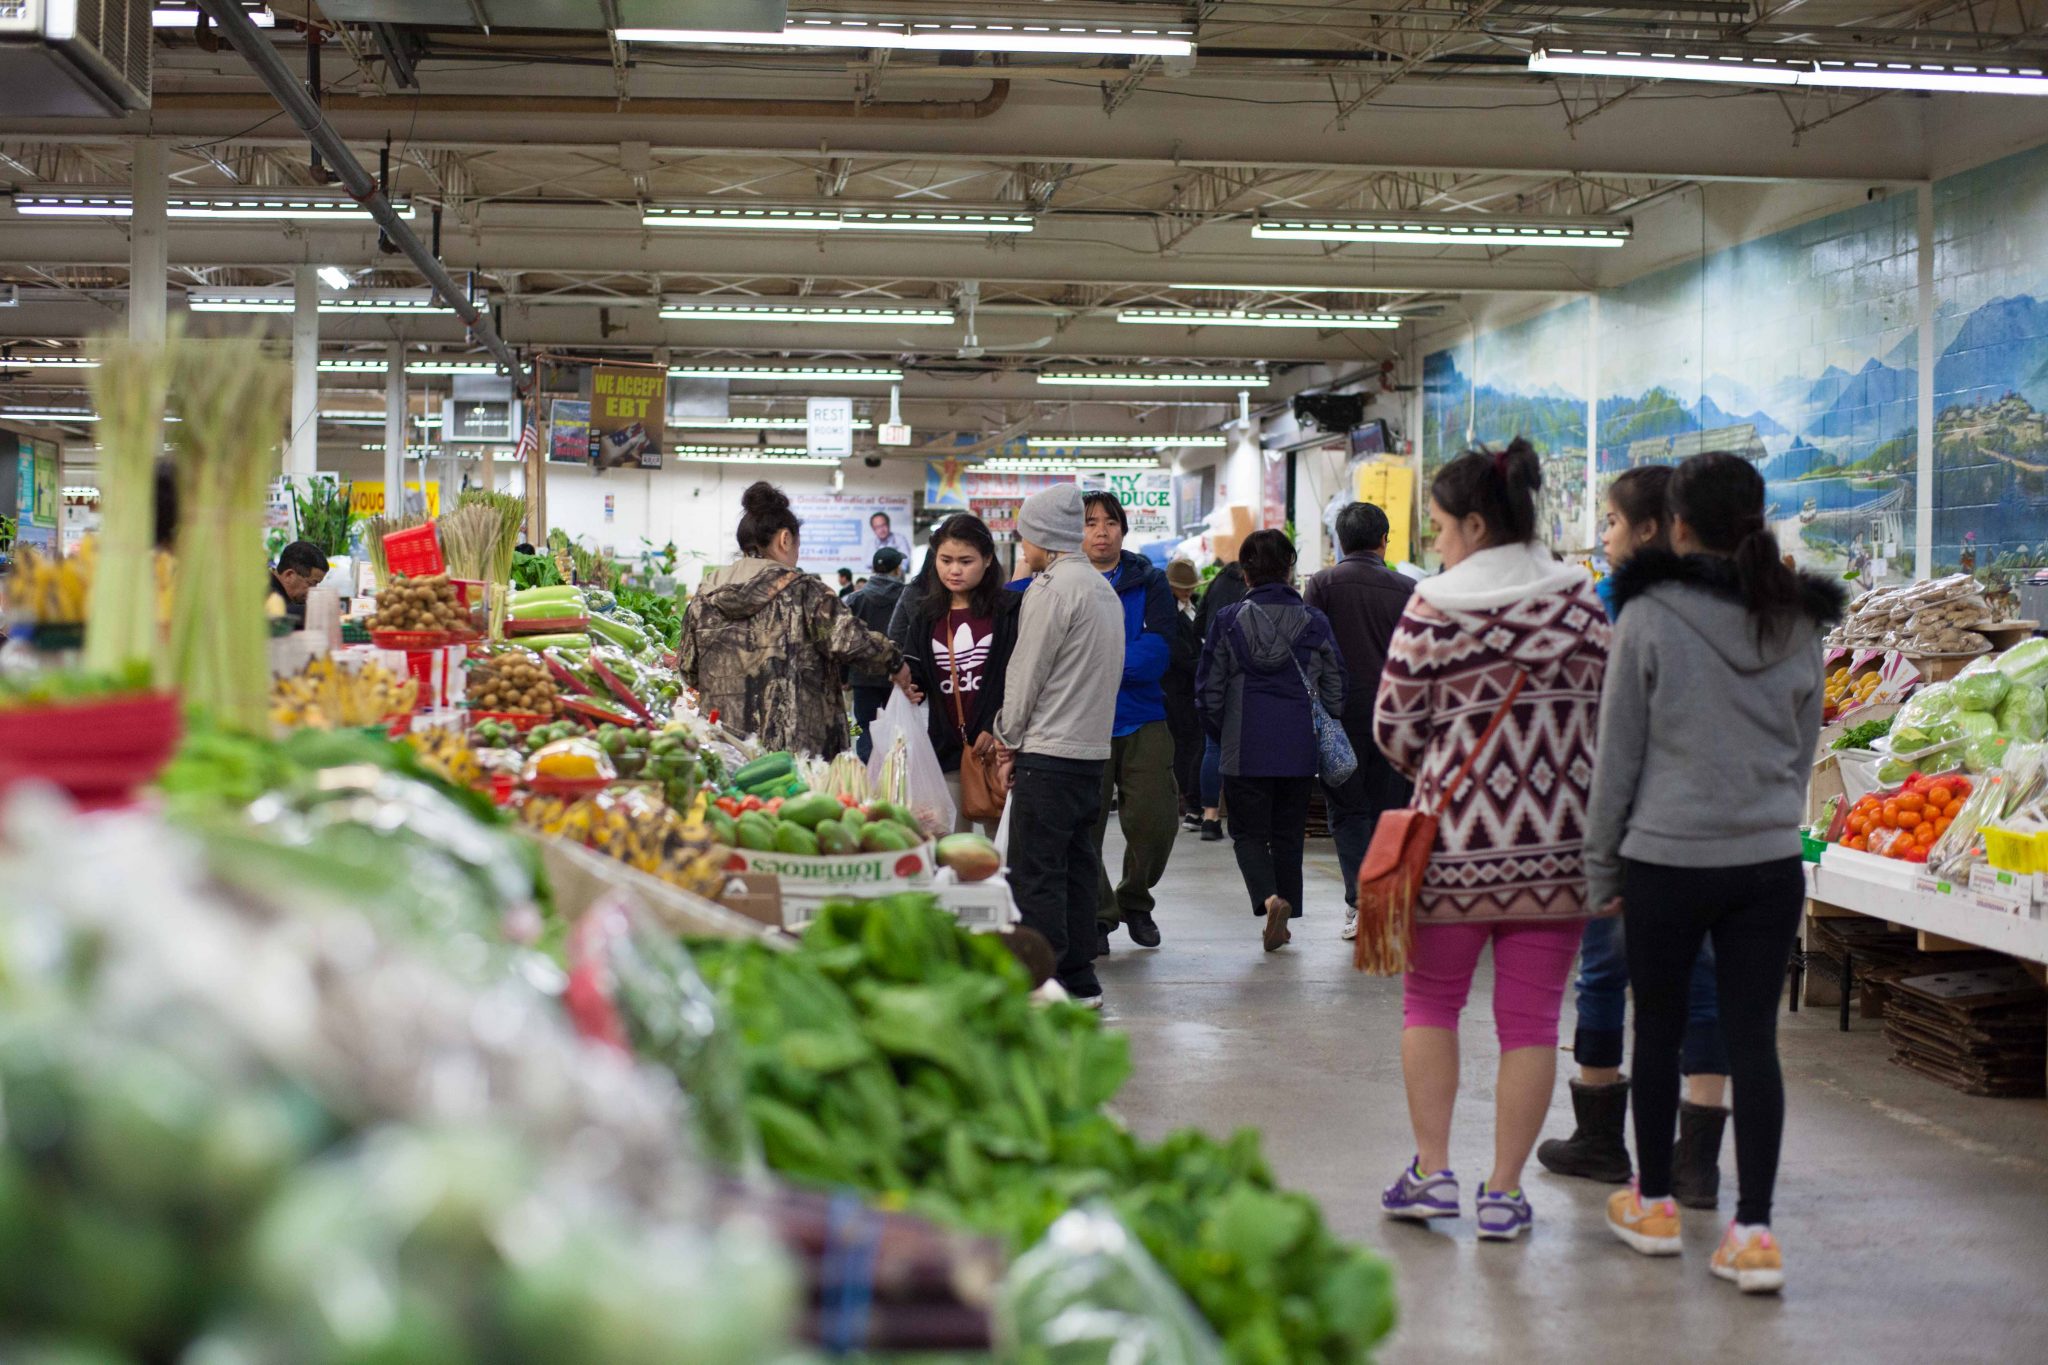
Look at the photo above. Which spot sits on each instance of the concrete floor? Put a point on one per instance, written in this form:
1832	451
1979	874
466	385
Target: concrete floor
1915	1219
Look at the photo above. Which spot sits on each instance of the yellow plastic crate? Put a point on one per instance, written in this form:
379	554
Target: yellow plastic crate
2013	850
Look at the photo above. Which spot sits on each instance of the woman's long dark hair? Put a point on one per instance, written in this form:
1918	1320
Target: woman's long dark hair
932	597
1644	494
1500	485
1720	496
764	514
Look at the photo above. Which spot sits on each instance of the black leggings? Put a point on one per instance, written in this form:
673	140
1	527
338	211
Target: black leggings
1752	913
1268	829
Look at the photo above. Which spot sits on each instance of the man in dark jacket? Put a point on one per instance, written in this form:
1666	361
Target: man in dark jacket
1182	717
873	605
1364	600
1140	770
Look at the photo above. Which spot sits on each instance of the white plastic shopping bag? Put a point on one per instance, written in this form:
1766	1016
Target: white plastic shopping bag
904	768
1002	839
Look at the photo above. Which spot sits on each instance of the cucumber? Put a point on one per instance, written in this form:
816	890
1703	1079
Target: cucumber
619	633
546	609
764	768
557	592
575	640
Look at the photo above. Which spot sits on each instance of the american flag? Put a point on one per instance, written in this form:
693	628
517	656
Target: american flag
529	436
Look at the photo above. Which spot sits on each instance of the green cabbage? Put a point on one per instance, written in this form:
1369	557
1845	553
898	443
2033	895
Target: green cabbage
1980	687
2024	713
1893	771
1928	719
2026	662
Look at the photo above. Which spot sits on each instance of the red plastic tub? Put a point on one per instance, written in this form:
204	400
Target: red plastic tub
98	752
415	553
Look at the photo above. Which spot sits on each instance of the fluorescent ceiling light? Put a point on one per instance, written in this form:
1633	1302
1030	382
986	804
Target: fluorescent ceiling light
300	206
1444	229
1123	442
65	416
752	424
1142	379
1135	40
1963	76
81	491
402	302
411	367
353	418
884	315
410	450
1290	289
706	450
1027	464
1242	317
167	17
334	277
830	217
427	419
790	372
48	362
751	455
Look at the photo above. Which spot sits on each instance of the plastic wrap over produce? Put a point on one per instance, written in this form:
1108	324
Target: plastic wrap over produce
252	1129
1088	1294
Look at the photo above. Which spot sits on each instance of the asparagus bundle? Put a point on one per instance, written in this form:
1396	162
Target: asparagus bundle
129	388
468	539
232	397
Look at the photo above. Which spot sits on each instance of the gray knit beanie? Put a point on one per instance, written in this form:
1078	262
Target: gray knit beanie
1053	518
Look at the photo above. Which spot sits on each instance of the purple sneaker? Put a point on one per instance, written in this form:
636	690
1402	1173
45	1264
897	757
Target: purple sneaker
1503	1215
1421	1197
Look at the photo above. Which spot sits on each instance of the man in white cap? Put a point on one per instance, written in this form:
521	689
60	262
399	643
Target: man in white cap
1053	736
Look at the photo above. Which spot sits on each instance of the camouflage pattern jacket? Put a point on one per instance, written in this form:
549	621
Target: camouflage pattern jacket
768	646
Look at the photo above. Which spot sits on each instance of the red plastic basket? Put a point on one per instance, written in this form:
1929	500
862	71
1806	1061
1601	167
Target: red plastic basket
98	751
522	721
409	639
415	553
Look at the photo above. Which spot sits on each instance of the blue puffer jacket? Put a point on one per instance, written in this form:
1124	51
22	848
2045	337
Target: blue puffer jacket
1151	635
1250	688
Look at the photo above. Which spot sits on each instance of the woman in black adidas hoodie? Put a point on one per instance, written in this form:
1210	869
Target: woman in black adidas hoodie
1708	722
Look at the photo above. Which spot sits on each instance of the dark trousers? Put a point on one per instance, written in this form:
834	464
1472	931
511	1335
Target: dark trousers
1355	807
1053	867
868	701
1187	760
1139	775
1751	913
1268	826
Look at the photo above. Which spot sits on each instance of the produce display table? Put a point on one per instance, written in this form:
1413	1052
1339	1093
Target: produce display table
1869	885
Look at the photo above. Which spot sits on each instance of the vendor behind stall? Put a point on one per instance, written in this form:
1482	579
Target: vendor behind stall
300	567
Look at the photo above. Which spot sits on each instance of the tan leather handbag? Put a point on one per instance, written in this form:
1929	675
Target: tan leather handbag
979	798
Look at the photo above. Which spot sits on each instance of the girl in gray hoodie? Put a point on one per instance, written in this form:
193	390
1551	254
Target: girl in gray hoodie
1708	721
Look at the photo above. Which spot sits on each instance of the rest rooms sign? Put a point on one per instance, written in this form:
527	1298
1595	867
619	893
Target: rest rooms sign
1147	496
828	427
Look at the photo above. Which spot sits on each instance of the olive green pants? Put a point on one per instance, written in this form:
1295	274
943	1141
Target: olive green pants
1140	775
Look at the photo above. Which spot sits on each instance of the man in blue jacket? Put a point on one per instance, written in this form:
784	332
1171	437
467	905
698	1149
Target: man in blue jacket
1139	774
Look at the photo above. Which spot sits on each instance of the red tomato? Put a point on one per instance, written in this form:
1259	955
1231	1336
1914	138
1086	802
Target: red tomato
1856	824
728	805
1909	819
846	799
1939	795
1917	853
1953	809
1925	835
1913	801
751	803
775	805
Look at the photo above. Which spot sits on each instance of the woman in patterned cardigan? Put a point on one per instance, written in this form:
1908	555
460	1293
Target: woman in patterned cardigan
1507	868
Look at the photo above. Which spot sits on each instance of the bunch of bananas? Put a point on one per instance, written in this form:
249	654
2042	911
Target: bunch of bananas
48	589
323	696
640	831
448	754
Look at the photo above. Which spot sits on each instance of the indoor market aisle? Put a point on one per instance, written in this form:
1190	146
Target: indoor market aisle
1915	1219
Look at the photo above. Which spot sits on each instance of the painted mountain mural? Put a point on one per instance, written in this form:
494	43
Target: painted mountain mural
1876	404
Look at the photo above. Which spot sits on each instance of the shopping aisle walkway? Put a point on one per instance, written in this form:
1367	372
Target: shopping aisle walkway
1915	1219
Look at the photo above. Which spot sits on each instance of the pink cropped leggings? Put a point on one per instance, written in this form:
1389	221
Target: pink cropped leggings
1531	964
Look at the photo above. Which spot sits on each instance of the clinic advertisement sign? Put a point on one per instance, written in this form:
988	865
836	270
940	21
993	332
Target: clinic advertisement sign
843	530
1147	496
627	413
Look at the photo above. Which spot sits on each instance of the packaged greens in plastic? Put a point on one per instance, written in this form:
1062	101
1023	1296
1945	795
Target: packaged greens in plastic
1088	1294
2026	662
1980	687
1927	719
2024	713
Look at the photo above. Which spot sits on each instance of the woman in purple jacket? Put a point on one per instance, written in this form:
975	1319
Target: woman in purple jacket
1263	657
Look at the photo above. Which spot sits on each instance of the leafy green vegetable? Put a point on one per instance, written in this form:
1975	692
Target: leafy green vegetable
1865	735
661	615
899	1054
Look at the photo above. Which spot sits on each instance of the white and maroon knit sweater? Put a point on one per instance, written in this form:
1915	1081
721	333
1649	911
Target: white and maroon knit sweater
1509	845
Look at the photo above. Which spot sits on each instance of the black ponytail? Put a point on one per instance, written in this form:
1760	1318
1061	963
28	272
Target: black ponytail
1720	497
1499	485
764	514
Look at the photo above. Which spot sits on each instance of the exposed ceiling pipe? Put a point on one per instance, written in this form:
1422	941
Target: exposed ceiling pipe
288	92
606	106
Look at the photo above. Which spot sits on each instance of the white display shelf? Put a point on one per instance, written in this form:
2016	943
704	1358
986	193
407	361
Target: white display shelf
1885	889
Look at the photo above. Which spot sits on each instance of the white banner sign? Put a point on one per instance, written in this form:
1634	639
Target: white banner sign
1147	496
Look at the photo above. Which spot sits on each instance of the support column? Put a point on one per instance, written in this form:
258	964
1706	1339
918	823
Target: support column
302	453
1923	491
1594	507
394	433
148	242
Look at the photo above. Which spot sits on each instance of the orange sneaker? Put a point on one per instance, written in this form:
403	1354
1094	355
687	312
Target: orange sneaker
1650	1228
1754	1262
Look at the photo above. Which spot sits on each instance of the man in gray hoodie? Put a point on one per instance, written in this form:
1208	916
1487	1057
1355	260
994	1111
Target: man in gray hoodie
1053	736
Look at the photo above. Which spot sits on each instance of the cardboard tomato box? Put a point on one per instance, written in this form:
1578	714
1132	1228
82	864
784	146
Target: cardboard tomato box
815	879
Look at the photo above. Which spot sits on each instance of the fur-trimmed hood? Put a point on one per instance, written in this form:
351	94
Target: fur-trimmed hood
1702	591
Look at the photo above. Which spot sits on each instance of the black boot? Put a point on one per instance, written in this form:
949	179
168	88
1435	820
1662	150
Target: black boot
1596	1151
1696	1161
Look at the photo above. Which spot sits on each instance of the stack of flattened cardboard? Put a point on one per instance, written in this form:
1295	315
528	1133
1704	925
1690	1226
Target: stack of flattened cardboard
1983	1031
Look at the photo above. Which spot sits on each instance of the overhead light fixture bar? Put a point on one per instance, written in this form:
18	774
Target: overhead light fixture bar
360	366
1248	317
335	278
353	418
876	315
834	217
1768	68
1444	229
791	372
305	206
1131	39
53	416
1291	289
752	455
400	302
1027	464
1123	442
752	424
48	362
184	16
1143	379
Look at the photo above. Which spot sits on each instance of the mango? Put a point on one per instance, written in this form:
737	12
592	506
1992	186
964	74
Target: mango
754	832
971	857
834	840
795	839
812	810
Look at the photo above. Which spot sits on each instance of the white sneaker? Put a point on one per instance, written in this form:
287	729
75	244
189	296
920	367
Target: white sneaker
1350	931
